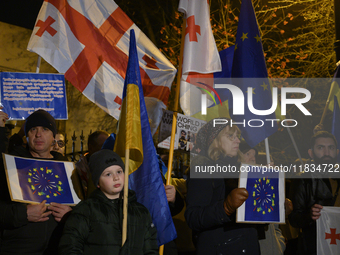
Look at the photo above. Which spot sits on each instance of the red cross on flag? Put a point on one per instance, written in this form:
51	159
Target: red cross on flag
200	55
328	231
89	42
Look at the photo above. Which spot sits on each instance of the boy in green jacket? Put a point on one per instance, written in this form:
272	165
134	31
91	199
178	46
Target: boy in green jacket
95	225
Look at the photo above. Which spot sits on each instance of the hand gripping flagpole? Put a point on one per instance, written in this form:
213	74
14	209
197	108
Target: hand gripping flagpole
174	117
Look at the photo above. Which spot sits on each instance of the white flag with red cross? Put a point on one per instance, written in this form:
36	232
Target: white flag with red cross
200	55
328	231
88	40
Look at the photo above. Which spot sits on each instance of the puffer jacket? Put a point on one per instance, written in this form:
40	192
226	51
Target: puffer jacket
304	193
95	227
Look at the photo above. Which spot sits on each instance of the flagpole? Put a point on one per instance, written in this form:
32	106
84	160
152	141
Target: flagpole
37	70
125	196
329	98
174	116
324	112
295	146
266	144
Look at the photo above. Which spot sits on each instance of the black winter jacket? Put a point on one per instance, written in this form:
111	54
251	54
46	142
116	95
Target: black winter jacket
304	193
216	232
95	227
18	235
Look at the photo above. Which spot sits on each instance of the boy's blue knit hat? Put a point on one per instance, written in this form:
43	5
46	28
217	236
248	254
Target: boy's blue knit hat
101	160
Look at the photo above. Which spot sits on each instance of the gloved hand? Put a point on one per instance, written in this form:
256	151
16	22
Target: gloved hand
234	200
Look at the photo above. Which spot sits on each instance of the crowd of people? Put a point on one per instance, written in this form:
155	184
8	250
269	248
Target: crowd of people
203	209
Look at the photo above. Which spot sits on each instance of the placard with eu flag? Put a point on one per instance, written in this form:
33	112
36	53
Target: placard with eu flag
265	203
33	181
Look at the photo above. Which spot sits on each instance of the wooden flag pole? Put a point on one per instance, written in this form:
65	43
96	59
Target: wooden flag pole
324	112
174	117
125	196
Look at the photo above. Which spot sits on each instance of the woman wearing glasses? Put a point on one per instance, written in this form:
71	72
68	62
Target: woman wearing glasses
212	202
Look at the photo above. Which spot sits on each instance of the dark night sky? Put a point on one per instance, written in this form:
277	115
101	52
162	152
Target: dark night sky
21	13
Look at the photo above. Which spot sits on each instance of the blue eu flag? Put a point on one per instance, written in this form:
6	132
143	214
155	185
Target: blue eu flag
249	70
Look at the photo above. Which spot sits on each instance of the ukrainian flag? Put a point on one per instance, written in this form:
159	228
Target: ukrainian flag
134	133
334	90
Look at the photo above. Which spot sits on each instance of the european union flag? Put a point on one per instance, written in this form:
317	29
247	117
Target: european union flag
262	203
249	65
265	202
336	123
43	180
33	180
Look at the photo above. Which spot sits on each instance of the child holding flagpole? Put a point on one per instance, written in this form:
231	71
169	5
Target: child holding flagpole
95	225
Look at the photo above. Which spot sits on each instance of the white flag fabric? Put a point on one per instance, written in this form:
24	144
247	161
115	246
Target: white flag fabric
89	42
200	54
328	231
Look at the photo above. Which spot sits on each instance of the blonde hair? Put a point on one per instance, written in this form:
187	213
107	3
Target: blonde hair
215	150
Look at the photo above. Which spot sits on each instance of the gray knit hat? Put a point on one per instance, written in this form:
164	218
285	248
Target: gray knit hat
101	160
209	132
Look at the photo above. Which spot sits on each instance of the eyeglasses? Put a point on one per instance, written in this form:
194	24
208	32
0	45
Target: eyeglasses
233	137
60	143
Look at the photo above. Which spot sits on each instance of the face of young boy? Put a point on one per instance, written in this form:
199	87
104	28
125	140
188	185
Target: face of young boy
111	181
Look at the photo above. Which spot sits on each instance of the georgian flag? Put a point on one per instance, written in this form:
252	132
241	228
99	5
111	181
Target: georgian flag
88	40
200	55
328	231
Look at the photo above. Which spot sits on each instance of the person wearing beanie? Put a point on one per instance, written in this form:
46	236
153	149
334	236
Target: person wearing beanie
27	229
95	224
212	202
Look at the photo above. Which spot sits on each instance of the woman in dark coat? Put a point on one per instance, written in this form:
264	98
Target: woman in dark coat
211	203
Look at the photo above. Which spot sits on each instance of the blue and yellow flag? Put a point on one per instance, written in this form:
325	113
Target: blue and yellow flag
134	132
249	70
334	90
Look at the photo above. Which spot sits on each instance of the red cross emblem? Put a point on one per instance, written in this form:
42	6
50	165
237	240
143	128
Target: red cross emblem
332	236
100	46
150	62
192	29
46	26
